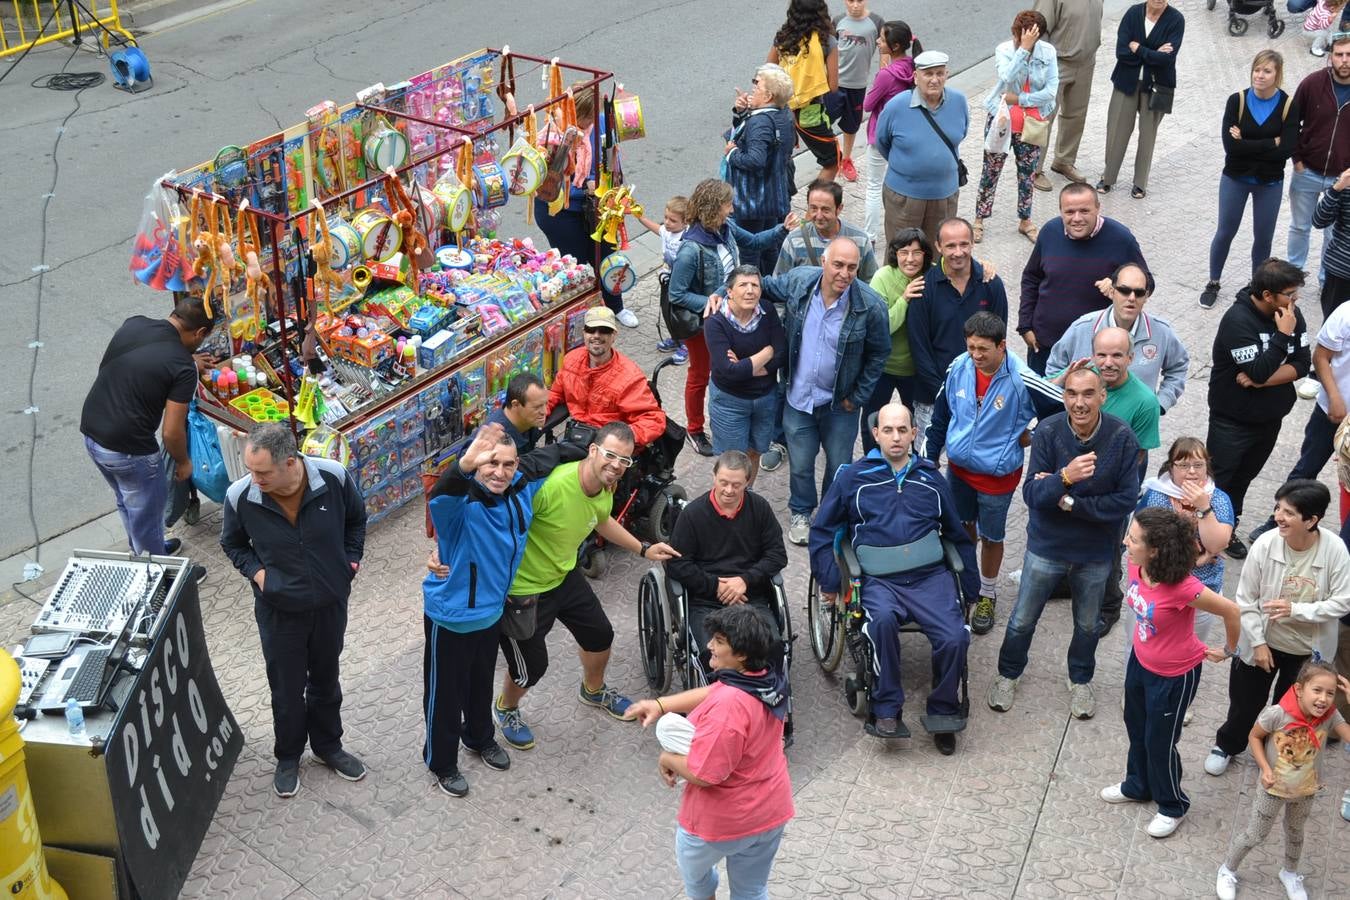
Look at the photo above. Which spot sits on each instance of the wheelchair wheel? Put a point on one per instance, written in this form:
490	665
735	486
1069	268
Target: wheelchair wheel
827	628
856	696
654	634
665	509
1276	27
593	562
1236	26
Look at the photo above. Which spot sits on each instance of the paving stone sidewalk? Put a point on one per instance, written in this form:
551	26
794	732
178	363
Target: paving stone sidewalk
1014	813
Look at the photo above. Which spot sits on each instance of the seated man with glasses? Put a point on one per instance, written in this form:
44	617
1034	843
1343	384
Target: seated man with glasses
599	385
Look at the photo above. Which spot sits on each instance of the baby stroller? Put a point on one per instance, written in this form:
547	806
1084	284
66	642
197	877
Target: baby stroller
1237	25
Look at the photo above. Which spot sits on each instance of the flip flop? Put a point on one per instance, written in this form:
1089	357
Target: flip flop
1103	187
1138	193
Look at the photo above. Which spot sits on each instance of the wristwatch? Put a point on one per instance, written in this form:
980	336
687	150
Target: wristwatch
1066	503
642	551
1229	652
1201	513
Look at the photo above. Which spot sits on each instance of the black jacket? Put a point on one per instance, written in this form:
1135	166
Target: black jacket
1255	154
309	564
1249	342
1158	68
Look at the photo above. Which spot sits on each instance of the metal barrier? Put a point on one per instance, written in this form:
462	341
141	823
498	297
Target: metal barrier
24	28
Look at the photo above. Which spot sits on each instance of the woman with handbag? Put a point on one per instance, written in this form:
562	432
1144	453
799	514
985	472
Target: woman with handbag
1028	82
711	249
1143	82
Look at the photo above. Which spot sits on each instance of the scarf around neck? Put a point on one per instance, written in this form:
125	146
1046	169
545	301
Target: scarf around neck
1289	703
770	687
1163	484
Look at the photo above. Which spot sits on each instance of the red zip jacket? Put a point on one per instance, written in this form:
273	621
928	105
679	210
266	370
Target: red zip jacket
1324	143
616	391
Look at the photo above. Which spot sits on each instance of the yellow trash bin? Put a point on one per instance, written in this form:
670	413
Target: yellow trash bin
23	868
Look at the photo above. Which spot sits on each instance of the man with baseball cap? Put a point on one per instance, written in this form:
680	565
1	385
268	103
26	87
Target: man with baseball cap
599	385
920	132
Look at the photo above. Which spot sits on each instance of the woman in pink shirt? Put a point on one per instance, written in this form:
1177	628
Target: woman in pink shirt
737	798
1164	668
896	42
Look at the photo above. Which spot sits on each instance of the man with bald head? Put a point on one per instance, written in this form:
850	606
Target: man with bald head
896	509
838	336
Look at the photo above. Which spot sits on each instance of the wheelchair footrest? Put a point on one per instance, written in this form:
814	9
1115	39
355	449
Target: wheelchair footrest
943	724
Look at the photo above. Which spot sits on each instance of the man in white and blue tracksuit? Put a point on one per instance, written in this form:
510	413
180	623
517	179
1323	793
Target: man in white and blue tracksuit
896	509
481	509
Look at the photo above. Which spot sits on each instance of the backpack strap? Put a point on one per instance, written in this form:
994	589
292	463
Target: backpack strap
1242	106
1288	102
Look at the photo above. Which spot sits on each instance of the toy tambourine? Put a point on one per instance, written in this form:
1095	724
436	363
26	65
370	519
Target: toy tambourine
617	273
385	146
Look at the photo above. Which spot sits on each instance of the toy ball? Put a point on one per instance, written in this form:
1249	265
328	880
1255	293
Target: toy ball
327	443
617	273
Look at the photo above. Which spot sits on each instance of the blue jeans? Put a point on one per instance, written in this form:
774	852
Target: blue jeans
741	423
141	489
1233	196
834	430
749	860
1039	577
887	386
1304	189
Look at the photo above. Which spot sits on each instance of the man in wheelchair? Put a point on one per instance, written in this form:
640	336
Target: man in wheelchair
730	546
896	510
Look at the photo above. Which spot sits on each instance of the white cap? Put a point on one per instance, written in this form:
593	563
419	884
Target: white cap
930	59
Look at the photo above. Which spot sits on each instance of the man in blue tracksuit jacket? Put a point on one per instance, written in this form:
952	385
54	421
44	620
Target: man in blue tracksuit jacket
481	509
893	507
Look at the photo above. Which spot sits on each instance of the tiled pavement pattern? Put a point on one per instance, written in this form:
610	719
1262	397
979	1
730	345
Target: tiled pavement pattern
583	815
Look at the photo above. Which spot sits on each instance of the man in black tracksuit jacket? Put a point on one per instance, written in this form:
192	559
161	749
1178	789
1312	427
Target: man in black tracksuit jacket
1260	350
296	528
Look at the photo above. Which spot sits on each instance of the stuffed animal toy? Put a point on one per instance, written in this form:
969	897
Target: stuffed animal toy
405	217
256	285
322	251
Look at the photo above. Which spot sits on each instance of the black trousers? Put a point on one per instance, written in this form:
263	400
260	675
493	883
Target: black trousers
1335	291
1249	693
1238	452
301	650
1319	442
457	673
700	609
574	604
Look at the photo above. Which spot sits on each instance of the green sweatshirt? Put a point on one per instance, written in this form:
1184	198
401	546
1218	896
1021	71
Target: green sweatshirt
890	283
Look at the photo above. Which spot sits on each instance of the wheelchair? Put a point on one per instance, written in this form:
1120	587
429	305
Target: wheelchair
834	627
647	499
667	645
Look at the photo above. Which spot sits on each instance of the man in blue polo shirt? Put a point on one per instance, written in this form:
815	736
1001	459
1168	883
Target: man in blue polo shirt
523	412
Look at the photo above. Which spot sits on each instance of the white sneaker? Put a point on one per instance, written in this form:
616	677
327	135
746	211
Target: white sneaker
799	529
1082	701
1113	794
1162	826
1217	761
1002	693
627	319
1293	885
1225	886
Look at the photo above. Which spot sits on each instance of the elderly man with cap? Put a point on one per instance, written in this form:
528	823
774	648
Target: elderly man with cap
599	385
919	132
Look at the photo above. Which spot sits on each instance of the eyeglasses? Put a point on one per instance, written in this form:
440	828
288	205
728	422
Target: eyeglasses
1197	466
1130	291
598	329
610	456
1292	295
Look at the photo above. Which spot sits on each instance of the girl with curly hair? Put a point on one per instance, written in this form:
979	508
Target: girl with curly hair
1164	668
807	19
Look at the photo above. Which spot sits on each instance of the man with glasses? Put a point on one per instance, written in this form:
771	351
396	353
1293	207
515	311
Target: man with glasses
1160	359
599	385
1323	149
1260	350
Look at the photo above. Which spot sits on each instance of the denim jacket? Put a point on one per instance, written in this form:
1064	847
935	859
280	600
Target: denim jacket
698	268
864	336
1014	65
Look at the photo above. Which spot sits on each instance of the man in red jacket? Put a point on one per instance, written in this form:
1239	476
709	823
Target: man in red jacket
600	385
1323	149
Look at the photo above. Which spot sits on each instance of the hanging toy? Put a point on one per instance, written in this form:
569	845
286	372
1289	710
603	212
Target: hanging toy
321	250
256	285
614	205
418	252
629	125
453	190
385	146
207	265
525	164
617	273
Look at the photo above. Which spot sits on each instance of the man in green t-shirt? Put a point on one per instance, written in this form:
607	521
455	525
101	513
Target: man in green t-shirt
576	499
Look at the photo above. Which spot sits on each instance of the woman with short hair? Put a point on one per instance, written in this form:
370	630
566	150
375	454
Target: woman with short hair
758	161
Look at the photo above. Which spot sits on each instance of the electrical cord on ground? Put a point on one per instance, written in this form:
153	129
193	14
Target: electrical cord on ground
69	81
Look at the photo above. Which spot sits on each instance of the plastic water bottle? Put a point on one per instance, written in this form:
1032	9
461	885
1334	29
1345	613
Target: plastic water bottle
74	717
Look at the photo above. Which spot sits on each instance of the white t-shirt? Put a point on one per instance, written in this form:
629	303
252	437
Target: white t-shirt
670	245
1148	29
1335	336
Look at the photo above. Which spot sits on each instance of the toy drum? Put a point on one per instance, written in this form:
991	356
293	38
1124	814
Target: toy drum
489	186
430	210
524	165
457	200
617	274
628	122
380	237
452	257
346	245
385	147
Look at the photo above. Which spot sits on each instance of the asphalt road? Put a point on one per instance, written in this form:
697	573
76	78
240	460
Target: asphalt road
237	75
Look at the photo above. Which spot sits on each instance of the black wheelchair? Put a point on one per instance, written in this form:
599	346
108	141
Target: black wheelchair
648	499
667	644
834	626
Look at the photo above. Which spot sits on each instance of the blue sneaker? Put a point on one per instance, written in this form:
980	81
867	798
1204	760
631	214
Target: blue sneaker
608	699
681	355
514	730
667	345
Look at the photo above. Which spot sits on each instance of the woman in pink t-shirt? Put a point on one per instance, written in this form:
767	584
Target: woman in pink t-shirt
729	750
1164	668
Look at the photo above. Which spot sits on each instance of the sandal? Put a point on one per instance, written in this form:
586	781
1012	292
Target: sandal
1138	193
1103	187
1029	230
977	230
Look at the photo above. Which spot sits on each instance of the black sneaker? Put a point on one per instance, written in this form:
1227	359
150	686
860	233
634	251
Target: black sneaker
946	743
699	441
193	514
773	457
982	620
172	546
493	756
198	574
1236	549
454	784
346	765
286	779
1210	295
887	729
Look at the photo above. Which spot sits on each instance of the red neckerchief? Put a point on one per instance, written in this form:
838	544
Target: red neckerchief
1289	703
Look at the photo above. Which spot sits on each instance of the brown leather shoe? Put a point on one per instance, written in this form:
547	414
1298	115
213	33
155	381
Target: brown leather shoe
1041	183
1069	172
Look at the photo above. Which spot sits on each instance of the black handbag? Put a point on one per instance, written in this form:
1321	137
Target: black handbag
681	323
519	617
1160	99
962	176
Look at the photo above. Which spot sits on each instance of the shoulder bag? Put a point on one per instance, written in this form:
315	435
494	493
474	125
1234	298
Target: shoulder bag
961	175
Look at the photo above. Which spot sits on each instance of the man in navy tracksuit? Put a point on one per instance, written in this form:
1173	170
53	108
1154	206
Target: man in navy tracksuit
295	526
481	507
896	509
